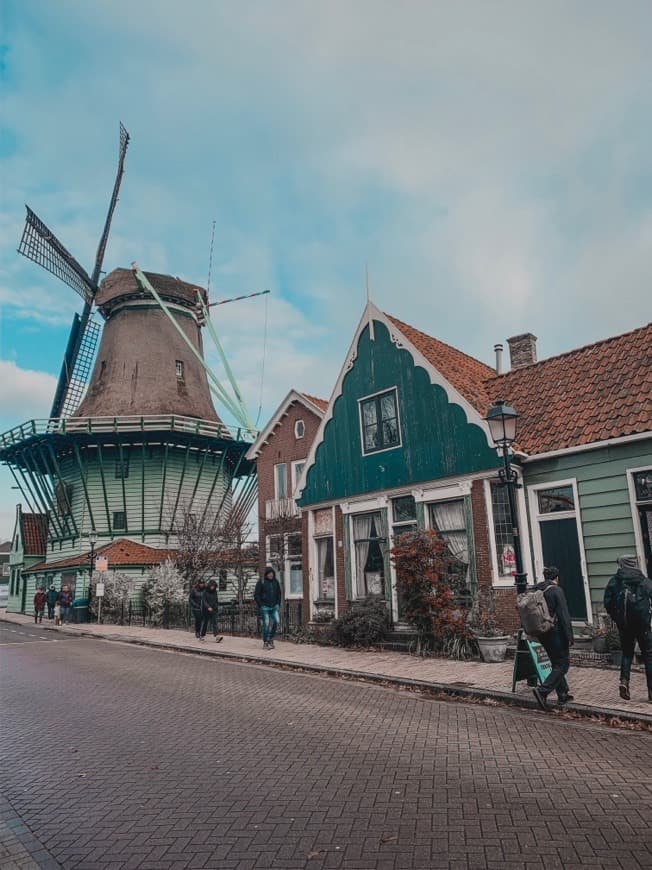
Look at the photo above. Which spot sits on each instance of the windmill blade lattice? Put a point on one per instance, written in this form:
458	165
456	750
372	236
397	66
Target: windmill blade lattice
40	245
101	248
83	363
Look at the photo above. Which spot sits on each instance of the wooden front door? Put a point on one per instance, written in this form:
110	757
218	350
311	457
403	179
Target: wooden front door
561	548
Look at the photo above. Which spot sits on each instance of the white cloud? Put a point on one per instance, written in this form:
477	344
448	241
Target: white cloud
24	393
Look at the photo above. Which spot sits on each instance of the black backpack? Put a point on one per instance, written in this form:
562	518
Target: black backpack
632	606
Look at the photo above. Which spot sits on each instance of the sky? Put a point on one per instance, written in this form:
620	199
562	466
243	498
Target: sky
490	161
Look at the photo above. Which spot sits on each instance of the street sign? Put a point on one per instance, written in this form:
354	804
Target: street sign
531	661
101	563
99	590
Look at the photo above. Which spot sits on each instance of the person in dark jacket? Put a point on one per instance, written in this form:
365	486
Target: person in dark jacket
39	604
267	596
557	642
195	600
64	600
628	601
51	598
209	611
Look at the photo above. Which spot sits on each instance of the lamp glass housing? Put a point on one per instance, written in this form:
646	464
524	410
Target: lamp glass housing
501	420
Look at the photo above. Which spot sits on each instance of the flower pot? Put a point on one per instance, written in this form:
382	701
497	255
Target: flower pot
493	649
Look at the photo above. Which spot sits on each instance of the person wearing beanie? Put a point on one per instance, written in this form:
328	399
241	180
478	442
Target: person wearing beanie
557	642
628	601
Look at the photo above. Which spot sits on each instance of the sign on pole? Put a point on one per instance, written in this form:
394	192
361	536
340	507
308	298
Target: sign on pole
531	661
101	563
99	590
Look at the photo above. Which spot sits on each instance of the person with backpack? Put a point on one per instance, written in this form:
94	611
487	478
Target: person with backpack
628	601
556	641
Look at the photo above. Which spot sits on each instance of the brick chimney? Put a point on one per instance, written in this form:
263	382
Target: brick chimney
522	350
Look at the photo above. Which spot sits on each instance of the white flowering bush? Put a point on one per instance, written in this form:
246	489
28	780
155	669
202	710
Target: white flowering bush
116	595
164	596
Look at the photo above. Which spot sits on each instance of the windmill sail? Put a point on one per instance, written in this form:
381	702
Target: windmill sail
40	245
99	257
76	368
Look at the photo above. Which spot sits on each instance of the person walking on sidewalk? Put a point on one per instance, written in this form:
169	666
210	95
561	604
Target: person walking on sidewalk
195	602
64	600
267	596
209	611
40	599
51	598
628	601
557	642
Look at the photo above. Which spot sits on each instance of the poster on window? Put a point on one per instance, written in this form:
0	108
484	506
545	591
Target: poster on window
508	560
374	582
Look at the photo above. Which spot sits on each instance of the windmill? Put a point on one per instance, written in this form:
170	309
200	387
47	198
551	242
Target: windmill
39	244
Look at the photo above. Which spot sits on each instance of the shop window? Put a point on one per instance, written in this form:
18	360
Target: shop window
503	532
379	422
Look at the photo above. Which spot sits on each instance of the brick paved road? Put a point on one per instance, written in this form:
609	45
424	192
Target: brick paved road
145	759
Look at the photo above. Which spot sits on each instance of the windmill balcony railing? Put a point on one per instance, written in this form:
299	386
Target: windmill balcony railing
281	509
135	423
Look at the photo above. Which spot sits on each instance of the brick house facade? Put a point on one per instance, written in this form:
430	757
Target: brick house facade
279	451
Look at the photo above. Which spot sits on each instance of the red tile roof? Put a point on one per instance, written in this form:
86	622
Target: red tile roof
594	393
34	532
322	404
119	553
462	371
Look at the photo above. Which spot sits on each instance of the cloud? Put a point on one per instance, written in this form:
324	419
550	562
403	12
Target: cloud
24	393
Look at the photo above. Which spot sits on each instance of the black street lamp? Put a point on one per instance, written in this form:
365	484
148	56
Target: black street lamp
501	420
92	538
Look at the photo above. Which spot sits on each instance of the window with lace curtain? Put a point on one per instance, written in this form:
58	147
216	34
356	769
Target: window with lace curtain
448	519
368	541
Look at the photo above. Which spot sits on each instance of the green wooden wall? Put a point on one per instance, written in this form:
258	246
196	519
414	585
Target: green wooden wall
437	440
605	509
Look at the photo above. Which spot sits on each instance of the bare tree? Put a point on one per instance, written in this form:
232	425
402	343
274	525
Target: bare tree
279	530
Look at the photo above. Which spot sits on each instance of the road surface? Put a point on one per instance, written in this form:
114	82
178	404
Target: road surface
118	756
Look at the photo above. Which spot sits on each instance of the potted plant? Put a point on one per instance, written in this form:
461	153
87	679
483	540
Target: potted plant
491	639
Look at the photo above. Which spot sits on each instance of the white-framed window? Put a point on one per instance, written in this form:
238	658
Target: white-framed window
299	429
503	533
280	481
448	519
639	483
404	515
380	427
284	554
323	556
297	468
369	542
178	366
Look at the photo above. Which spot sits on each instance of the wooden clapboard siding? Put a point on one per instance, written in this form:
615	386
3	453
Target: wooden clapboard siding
604	503
437	441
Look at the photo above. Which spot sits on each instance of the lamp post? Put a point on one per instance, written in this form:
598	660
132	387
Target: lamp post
92	538
501	420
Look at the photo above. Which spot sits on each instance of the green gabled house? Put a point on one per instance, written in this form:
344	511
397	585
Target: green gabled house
28	547
404	444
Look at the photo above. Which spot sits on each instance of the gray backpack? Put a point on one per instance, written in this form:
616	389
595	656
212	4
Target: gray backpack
533	610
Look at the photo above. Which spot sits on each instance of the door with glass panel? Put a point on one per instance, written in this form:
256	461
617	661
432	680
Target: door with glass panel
560	545
404	519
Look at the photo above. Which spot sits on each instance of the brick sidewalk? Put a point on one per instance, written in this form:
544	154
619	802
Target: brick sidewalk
595	690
